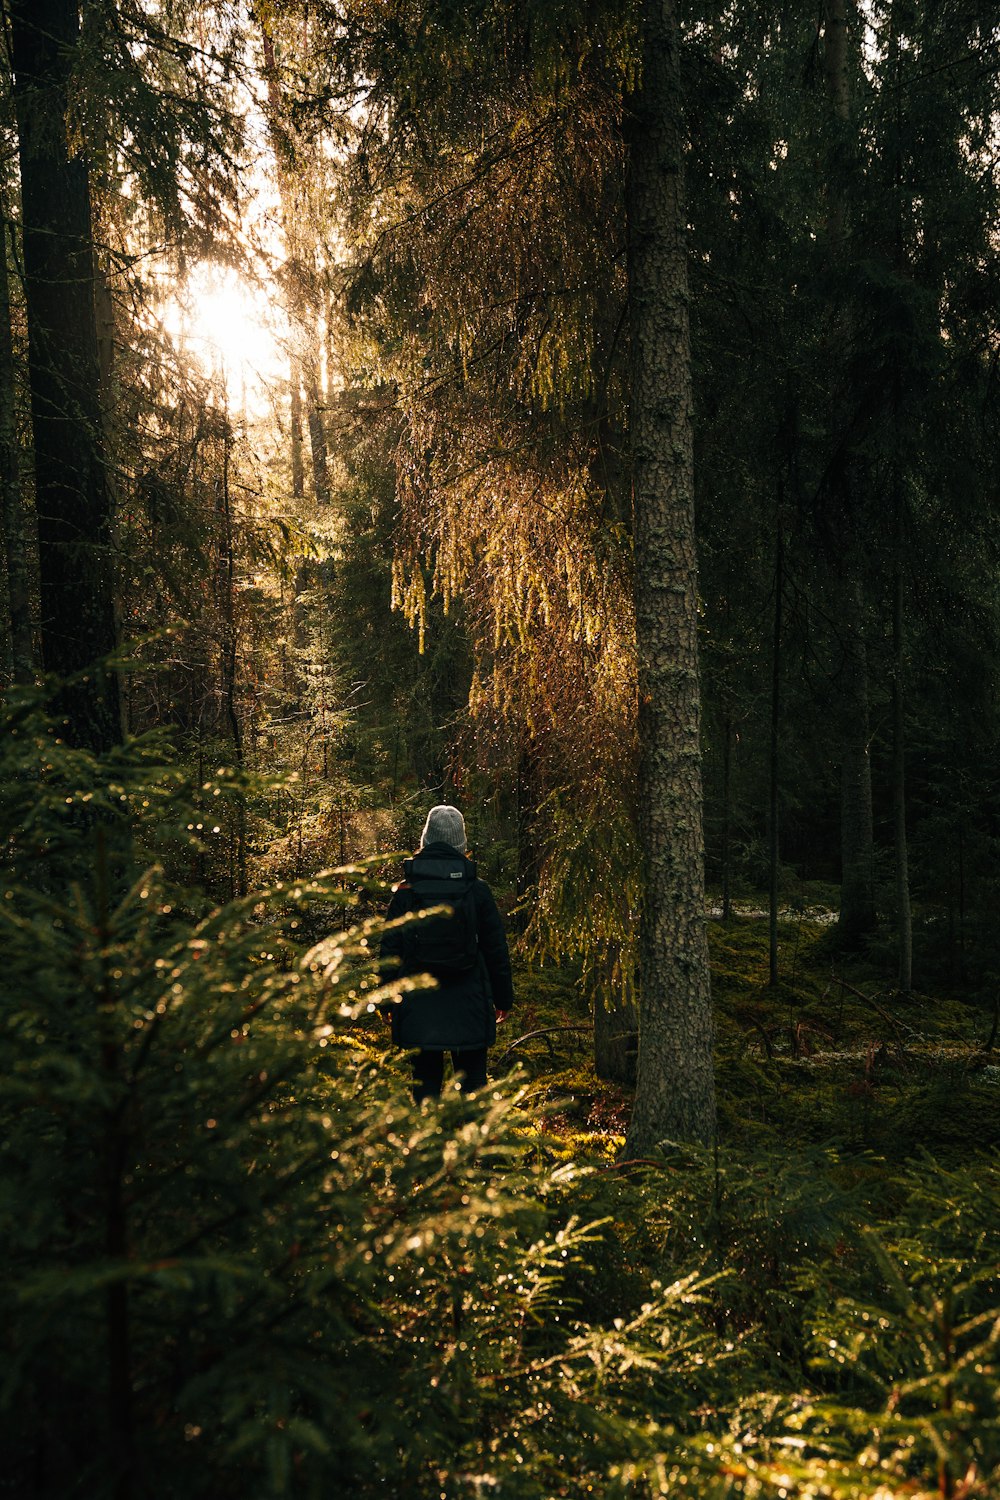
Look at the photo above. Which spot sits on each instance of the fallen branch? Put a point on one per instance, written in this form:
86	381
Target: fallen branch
755	1025
879	1010
544	1031
899	1027
639	1161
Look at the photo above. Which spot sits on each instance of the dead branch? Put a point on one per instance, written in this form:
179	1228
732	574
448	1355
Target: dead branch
544	1031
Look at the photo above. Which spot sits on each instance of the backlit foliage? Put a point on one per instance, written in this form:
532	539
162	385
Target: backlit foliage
487	284
240	1262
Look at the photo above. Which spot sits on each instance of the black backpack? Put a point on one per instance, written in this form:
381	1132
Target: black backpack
448	944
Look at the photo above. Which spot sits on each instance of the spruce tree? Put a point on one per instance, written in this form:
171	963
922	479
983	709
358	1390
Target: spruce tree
675	1084
72	494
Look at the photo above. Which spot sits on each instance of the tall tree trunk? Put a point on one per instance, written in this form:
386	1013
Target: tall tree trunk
21	662
773	828
961	898
105	313
727	818
228	654
71	490
302	281
295	416
904	917
727	770
838	87
857	897
317	432
675	1087
857	887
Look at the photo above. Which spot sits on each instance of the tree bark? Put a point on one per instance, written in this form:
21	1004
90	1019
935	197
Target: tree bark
904	916
71	491
21	661
835	59
774	849
295	418
675	1088
317	430
857	884
857	897
727	818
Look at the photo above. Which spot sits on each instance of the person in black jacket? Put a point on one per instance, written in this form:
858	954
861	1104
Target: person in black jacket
465	952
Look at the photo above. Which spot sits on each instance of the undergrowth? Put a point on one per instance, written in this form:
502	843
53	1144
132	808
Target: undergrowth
240	1261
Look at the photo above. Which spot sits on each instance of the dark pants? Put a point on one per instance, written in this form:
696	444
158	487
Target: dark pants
428	1072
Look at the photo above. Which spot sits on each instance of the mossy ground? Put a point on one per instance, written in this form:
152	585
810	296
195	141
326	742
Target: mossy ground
831	1056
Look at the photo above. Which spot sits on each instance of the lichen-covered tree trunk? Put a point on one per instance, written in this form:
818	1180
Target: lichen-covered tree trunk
675	1088
72	495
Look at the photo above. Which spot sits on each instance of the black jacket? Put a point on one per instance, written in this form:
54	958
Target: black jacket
461	1013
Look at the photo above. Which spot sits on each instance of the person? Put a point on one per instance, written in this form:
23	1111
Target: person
465	951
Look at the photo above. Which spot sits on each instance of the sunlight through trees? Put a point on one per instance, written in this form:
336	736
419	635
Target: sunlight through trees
585	416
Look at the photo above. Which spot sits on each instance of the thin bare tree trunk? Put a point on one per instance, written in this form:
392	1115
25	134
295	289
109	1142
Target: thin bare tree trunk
20	643
774	849
727	818
857	899
857	890
317	432
904	916
304	310
295	415
838	86
675	1086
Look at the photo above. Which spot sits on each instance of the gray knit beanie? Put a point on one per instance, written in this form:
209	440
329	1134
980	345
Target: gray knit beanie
445	825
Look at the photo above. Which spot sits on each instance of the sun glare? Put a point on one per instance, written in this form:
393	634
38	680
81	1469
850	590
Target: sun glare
230	327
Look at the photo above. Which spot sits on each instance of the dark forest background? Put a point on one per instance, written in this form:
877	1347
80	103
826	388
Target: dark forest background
318	476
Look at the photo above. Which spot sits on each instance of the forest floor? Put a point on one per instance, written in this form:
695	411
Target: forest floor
832	1056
